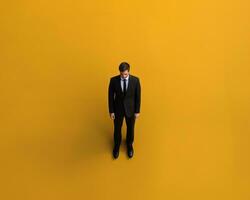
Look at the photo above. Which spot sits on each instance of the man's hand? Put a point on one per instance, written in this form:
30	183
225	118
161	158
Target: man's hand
137	115
112	115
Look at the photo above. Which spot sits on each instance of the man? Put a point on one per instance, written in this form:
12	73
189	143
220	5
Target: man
124	100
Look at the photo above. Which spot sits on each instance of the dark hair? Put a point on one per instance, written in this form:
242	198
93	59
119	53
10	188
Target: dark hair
124	66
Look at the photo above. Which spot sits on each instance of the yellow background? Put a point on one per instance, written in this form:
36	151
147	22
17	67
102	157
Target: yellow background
192	137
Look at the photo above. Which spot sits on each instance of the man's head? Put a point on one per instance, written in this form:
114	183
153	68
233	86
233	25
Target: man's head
124	69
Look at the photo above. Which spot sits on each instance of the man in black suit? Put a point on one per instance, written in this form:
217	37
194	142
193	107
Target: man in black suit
124	100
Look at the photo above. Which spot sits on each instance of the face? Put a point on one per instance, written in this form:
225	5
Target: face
124	74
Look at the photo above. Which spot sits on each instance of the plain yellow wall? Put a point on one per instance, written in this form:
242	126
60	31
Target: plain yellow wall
192	137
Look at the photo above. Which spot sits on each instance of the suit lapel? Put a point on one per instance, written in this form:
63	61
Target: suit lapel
129	83
119	83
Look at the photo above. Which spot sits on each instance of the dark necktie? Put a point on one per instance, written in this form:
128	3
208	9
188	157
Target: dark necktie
124	86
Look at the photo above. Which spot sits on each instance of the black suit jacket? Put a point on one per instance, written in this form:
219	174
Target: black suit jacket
131	101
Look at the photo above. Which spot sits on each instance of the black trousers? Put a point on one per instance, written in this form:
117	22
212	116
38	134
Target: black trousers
130	122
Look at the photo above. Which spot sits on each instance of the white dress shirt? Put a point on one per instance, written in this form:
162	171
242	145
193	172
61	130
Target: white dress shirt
126	82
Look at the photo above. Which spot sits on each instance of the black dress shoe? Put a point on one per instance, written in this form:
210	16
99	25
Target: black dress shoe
116	152
130	151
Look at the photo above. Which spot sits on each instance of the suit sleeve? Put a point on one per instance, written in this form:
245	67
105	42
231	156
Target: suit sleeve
111	100
138	97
